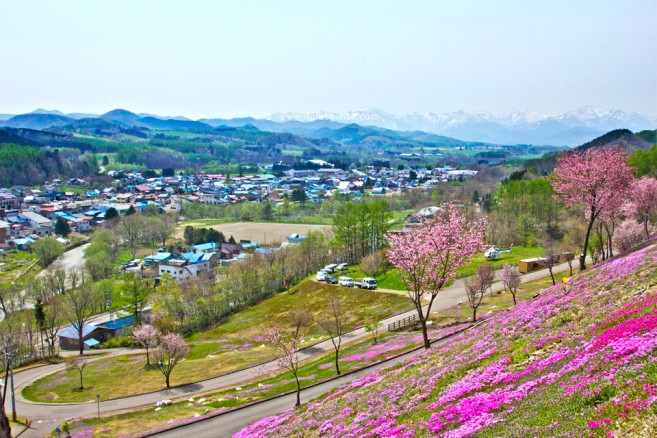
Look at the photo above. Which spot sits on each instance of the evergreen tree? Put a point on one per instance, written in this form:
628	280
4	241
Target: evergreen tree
61	227
111	213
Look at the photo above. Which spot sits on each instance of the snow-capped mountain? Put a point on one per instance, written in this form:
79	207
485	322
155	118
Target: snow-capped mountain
570	128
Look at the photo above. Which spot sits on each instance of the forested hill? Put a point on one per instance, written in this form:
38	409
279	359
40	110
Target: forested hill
641	141
28	165
620	137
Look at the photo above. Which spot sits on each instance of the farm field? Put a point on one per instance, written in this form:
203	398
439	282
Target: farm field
261	232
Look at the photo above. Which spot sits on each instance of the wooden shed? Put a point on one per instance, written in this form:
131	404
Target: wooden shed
529	265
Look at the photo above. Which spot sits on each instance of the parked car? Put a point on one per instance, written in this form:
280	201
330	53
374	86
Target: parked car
321	276
331	280
330	268
347	281
366	283
342	266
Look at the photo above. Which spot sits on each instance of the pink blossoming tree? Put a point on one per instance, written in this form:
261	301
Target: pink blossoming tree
288	347
172	349
428	257
643	204
597	180
146	336
510	278
630	233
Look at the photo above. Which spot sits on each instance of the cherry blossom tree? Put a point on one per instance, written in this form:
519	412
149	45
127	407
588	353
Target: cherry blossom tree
643	204
169	352
486	275
146	336
288	347
596	179
630	233
428	256
510	278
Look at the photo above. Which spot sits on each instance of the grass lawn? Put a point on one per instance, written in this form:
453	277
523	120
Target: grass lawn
236	344
391	279
13	268
513	257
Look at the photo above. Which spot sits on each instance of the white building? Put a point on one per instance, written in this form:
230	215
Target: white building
39	225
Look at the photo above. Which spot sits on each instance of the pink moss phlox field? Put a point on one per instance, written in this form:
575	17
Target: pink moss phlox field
580	361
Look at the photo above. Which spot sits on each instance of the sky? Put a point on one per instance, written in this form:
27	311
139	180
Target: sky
253	58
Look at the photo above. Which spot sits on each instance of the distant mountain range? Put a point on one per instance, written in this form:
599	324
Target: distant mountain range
568	129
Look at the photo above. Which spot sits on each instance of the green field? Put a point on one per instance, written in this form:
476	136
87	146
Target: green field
14	266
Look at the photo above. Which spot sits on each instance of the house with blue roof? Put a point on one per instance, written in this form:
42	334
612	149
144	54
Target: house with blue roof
190	264
69	338
94	334
210	247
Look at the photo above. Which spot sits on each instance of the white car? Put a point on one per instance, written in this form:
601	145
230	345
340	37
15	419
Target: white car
346	281
321	276
342	266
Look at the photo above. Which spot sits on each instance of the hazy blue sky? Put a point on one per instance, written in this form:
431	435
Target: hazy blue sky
216	58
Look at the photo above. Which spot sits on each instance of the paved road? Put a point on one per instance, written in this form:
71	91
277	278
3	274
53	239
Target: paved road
47	416
228	424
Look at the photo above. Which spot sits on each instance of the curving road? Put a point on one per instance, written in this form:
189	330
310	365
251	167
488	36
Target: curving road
46	416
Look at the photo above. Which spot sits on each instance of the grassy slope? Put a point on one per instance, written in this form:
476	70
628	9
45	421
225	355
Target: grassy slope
578	360
237	343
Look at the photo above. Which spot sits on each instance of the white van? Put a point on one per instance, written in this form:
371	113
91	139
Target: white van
346	281
330	268
321	275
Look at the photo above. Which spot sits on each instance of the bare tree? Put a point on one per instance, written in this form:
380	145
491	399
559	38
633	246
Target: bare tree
511	279
486	276
374	327
475	294
288	347
335	326
78	307
132	228
300	317
551	259
375	263
55	280
53	316
78	364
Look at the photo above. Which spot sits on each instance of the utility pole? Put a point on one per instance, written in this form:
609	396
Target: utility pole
10	360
